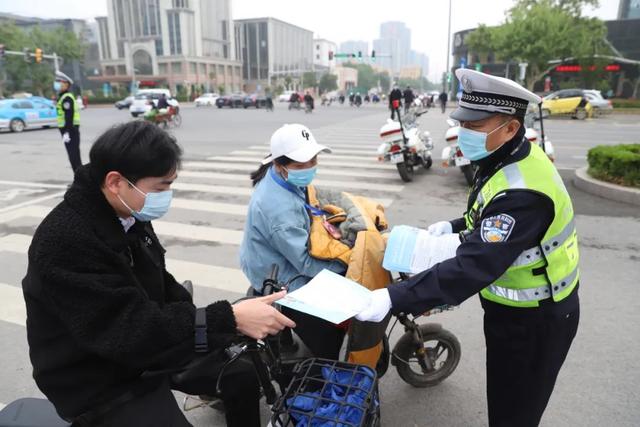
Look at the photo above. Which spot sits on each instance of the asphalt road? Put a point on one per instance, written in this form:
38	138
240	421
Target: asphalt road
599	382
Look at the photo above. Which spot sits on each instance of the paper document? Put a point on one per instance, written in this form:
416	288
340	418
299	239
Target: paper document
412	250
329	296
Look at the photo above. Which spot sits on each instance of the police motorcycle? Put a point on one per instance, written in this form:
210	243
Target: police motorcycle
404	144
534	131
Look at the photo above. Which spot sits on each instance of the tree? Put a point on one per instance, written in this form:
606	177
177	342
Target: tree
367	77
328	82
309	79
38	78
537	32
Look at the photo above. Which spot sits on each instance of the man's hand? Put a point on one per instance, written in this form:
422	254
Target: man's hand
379	306
66	138
440	228
256	318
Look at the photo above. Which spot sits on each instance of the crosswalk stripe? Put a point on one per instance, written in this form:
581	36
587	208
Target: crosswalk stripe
372	164
250	167
212	188
337	185
12	309
164	228
357	159
209	276
264	149
216	207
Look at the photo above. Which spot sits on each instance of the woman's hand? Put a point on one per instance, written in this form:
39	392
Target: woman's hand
256	318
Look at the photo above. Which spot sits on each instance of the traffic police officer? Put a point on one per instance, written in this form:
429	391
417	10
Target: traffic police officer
518	249
68	118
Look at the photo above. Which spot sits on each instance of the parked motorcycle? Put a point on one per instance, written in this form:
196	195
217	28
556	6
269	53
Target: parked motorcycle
404	144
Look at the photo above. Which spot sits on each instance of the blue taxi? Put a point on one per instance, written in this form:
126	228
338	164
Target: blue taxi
18	114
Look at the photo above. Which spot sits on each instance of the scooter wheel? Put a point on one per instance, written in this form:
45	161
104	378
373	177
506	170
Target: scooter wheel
428	163
441	347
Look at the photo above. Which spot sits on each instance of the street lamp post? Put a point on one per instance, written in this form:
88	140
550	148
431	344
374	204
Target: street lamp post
448	51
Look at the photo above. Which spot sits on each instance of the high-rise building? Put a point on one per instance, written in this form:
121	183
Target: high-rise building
184	44
629	9
272	49
419	59
393	46
354	46
321	49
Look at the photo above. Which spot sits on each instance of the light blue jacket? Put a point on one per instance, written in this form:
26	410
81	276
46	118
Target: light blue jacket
277	232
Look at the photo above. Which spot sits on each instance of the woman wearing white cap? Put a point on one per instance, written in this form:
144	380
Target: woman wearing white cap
278	226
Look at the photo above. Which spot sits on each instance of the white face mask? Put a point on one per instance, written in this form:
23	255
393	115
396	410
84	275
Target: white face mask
155	206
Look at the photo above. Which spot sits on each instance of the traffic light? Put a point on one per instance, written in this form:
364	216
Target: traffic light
27	55
1	51
38	55
359	55
330	55
449	77
373	56
478	66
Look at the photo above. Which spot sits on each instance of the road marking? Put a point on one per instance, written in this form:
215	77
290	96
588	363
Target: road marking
248	167
265	149
336	185
212	188
32	201
209	276
32	184
323	156
11	194
373	164
163	228
12	309
215	207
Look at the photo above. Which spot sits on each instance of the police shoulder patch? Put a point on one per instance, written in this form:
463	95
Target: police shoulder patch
497	228
66	105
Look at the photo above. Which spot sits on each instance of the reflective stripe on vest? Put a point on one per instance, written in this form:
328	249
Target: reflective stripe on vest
551	268
60	111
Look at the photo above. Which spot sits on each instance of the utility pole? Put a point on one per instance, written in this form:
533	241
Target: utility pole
446	90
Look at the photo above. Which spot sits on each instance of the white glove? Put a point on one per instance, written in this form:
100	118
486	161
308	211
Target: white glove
440	228
66	138
379	306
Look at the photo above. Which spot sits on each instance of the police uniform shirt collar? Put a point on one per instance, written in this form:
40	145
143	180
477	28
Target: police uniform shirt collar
506	150
484	95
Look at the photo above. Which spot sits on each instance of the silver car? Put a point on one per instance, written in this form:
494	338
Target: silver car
597	101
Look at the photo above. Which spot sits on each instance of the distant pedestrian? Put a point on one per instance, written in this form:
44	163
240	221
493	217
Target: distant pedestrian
394	95
68	118
443	98
408	98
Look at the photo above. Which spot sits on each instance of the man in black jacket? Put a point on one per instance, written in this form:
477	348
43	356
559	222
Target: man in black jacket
394	95
101	307
408	98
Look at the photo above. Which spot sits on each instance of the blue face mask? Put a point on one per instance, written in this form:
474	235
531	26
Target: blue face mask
57	86
155	206
301	177
473	144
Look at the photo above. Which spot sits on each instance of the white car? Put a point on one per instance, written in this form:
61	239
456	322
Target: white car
285	96
207	100
597	101
145	98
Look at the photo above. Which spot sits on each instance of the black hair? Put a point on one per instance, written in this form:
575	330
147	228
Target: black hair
137	150
257	175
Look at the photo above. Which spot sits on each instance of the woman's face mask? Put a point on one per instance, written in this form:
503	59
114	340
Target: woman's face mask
301	177
155	206
473	144
57	86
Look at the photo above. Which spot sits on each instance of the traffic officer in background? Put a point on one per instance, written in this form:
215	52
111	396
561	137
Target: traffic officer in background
68	118
518	249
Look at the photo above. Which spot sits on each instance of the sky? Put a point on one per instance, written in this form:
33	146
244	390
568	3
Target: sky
338	20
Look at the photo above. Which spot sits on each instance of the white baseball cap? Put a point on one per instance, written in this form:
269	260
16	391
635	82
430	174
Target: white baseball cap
296	142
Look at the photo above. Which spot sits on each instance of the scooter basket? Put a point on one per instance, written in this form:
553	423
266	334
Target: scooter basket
329	393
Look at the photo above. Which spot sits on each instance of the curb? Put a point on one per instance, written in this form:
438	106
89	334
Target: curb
618	193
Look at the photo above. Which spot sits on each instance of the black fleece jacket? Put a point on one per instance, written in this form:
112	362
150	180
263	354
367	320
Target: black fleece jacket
101	307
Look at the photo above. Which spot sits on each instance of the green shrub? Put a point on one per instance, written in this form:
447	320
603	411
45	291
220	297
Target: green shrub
619	164
625	103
